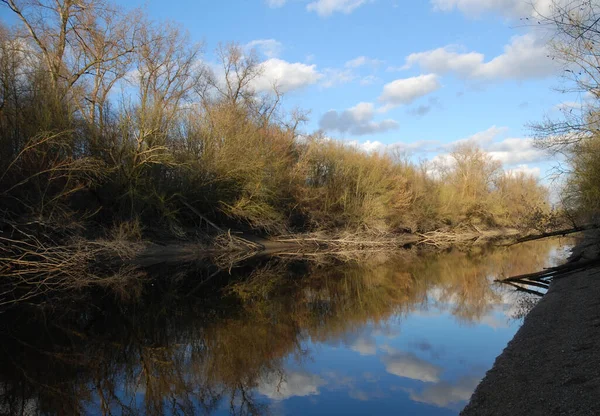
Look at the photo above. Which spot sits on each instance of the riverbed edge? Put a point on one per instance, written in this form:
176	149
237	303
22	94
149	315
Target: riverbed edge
551	365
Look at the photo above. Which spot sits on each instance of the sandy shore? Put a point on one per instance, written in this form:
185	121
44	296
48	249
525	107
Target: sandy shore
552	366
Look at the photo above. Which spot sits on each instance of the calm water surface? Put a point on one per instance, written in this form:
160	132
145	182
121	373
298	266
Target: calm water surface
384	334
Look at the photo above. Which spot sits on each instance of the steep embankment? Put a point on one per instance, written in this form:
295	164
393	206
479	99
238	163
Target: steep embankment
552	366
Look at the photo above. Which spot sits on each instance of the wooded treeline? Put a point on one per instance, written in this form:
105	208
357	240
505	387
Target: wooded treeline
108	118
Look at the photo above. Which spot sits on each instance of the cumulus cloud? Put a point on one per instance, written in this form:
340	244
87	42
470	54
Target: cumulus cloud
525	57
285	75
514	151
292	384
481	139
510	151
369	146
445	394
325	8
408	365
406	90
506	8
357	120
271	48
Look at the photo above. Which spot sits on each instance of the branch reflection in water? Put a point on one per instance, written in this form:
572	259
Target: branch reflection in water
238	343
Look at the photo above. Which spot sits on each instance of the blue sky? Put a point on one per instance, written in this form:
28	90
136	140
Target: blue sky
419	75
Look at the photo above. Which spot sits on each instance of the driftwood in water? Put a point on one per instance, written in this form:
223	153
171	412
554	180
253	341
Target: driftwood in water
556	233
554	272
542	279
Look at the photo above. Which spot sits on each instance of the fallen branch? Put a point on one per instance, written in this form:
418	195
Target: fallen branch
556	233
554	272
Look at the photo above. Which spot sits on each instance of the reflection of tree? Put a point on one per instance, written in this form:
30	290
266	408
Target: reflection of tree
176	351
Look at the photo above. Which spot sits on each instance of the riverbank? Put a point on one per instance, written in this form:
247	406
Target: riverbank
551	366
33	269
234	245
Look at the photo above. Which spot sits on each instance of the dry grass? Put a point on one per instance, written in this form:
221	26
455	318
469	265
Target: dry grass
30	268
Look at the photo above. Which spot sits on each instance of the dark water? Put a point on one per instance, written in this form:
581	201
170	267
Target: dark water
383	334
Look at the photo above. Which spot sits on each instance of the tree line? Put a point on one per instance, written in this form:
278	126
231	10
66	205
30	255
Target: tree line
108	118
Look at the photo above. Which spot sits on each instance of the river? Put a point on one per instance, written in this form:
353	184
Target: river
376	333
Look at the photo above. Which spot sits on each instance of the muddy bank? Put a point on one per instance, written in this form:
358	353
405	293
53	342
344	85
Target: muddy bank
552	366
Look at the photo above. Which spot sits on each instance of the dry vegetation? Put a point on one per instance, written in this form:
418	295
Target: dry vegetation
107	118
576	44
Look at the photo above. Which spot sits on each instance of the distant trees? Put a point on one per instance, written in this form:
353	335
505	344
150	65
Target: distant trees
476	190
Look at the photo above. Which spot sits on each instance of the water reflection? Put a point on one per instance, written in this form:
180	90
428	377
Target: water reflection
387	333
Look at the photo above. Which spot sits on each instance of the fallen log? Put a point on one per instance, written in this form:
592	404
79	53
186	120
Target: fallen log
561	233
554	271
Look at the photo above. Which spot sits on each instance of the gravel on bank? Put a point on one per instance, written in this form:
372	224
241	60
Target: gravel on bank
552	366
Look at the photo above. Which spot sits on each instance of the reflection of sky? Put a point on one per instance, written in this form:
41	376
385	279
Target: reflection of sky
427	363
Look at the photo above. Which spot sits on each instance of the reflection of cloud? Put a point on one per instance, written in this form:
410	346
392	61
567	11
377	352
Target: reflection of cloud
366	395
291	384
444	394
408	365
494	321
363	340
364	346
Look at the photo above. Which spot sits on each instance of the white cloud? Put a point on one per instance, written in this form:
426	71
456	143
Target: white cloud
287	76
291	384
526	57
410	366
481	139
506	8
369	146
532	171
510	151
271	48
407	90
325	8
357	120
513	151
570	106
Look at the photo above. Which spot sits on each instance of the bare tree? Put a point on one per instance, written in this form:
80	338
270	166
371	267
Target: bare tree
575	43
74	37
